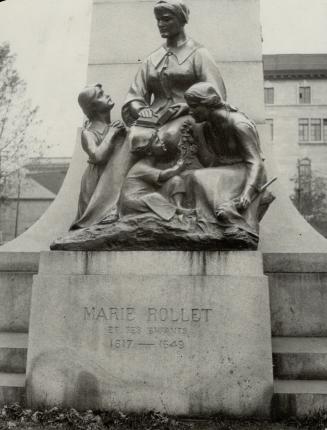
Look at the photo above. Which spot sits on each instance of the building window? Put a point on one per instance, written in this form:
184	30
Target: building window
313	130
303	130
325	129
304	95
269	96
270	123
315	127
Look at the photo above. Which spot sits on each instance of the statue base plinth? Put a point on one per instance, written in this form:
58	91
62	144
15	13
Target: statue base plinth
149	233
184	333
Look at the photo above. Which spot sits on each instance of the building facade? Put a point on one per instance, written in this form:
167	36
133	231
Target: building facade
296	110
295	92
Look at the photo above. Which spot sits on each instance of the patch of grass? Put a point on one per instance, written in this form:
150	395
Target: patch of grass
15	417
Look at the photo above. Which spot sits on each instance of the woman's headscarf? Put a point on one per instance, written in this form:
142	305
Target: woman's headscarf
205	94
177	7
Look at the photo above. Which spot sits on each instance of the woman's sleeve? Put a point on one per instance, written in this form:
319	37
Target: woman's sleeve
149	174
251	154
207	71
138	95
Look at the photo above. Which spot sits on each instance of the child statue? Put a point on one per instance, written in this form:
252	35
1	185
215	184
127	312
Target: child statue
148	188
98	141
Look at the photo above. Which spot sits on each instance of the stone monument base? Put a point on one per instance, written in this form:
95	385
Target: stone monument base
183	333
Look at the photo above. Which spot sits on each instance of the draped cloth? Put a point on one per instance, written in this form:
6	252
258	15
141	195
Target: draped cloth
104	198
166	74
143	192
215	191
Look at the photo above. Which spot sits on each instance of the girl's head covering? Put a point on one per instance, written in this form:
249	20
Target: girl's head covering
205	94
177	7
86	98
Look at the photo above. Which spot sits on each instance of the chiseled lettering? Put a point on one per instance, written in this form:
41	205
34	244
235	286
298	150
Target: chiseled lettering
206	313
163	314
101	314
184	319
113	314
174	316
130	314
196	315
89	314
152	314
178	314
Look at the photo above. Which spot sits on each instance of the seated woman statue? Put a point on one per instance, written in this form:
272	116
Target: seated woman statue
156	96
158	89
229	190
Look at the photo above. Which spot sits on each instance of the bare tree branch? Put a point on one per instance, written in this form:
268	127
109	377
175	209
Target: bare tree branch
18	120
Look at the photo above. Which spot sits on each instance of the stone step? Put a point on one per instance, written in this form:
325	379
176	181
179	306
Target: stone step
19	261
12	388
300	358
13	352
298	304
15	298
298	398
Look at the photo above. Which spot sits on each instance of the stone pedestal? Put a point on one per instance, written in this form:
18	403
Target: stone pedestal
184	333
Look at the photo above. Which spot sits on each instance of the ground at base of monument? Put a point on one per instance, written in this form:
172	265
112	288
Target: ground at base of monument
15	417
144	232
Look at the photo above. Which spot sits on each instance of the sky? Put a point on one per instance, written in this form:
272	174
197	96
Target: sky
51	40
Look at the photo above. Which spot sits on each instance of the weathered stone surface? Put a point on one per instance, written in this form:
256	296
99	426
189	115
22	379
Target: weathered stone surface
13	360
145	232
305	366
12	388
133	341
280	262
13	351
298	304
15	298
298	398
178	263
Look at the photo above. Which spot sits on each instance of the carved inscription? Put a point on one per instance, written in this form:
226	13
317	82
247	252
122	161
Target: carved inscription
153	314
166	328
109	314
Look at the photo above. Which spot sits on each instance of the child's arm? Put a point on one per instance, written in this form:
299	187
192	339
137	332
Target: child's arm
172	171
99	154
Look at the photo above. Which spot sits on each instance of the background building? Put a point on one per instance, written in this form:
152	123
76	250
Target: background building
296	109
29	194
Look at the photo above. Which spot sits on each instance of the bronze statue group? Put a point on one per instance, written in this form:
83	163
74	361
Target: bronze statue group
181	150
